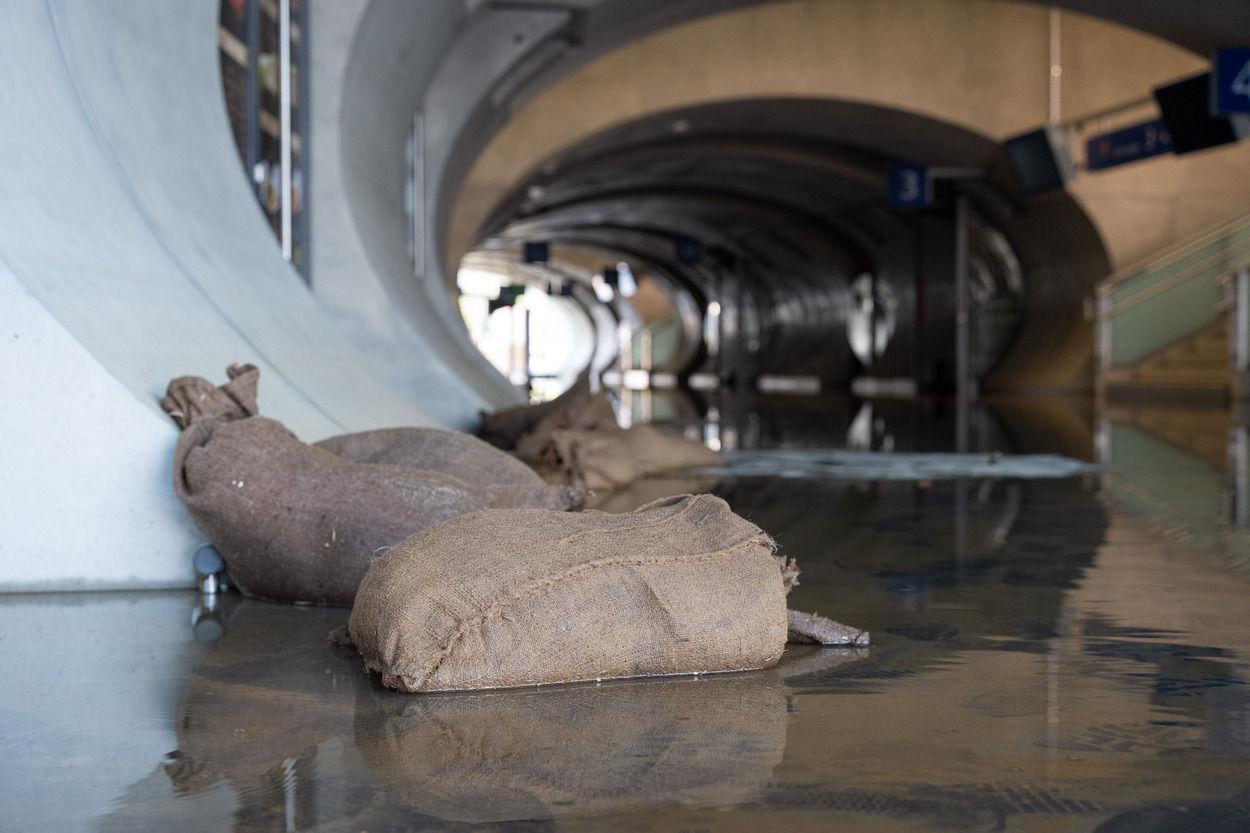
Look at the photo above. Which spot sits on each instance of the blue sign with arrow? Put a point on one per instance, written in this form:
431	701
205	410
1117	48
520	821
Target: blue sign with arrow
1128	144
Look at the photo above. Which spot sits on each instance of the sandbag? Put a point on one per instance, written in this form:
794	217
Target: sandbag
299	523
504	428
604	460
523	597
434	449
189	398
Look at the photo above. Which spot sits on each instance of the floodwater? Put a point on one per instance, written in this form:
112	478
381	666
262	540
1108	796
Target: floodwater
1048	654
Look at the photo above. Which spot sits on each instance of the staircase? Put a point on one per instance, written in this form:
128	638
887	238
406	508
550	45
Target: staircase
1164	327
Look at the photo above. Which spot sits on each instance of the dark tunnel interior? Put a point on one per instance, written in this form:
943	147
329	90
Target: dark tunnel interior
773	215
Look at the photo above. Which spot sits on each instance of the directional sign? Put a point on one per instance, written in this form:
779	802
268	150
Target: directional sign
1230	82
536	251
909	185
1128	144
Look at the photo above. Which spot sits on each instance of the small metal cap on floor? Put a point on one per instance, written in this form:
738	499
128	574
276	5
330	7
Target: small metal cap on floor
208	563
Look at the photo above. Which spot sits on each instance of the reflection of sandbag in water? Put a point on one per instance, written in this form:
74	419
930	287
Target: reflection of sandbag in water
503	429
474	461
612	459
296	522
268	689
581	750
525	597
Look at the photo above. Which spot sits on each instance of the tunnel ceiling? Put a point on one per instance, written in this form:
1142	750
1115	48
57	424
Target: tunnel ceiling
793	188
788	197
796	186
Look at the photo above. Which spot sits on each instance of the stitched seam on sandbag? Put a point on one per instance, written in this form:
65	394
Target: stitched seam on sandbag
543	585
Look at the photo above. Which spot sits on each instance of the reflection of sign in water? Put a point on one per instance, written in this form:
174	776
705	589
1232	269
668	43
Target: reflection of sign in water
1230	82
1130	144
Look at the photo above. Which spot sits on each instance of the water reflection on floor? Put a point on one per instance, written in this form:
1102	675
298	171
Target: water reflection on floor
1044	658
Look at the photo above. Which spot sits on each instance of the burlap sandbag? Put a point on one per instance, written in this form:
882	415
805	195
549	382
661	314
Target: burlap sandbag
504	428
299	523
605	460
435	449
189	398
524	597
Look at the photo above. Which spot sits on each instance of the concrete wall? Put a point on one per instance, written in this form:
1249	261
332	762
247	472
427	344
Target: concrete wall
131	252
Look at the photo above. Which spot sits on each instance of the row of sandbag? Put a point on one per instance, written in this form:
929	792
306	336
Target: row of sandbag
302	523
469	572
575	440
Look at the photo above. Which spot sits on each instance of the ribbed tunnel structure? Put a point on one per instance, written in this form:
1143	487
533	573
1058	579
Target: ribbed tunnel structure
786	201
132	250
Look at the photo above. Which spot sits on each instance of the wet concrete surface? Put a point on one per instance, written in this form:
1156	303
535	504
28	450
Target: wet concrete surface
1045	657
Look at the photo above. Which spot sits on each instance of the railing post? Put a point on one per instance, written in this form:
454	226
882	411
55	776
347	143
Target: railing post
1239	332
965	385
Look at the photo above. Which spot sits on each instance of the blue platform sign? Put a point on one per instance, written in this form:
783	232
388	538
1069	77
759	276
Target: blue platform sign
909	185
1128	144
1230	82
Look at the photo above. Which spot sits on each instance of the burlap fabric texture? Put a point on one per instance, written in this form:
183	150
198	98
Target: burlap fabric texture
613	459
189	398
583	445
434	449
523	597
504	428
295	522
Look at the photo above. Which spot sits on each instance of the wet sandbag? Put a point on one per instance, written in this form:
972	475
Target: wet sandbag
614	459
299	523
524	597
189	398
504	428
474	461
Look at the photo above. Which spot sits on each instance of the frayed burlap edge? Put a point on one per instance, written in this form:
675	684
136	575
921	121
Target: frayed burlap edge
809	627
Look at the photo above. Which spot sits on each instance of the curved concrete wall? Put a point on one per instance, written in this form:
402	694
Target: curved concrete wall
132	252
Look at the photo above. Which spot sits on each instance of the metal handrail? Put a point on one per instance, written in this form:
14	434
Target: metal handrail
1175	280
1158	261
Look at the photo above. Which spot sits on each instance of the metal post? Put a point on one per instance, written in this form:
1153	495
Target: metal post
284	107
1056	65
1238	460
418	194
964	384
1239	332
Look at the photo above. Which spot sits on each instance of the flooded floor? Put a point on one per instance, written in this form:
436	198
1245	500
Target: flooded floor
1049	654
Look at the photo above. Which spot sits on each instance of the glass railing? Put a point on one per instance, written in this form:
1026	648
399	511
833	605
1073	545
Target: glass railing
1153	304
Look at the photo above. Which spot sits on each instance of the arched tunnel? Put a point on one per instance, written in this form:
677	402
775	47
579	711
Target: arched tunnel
733	156
775	211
